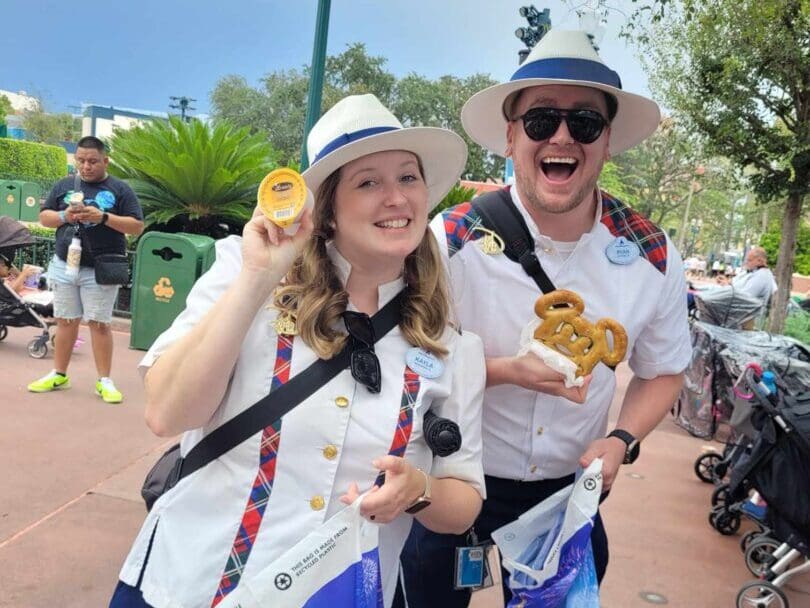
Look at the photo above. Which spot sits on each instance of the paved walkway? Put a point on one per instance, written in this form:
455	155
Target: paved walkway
72	467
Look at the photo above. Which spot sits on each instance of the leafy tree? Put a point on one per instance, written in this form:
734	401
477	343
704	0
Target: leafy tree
611	180
278	107
5	109
42	127
737	69
438	103
191	176
277	111
771	241
354	72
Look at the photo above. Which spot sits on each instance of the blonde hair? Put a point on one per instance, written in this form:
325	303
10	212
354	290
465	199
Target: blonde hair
314	296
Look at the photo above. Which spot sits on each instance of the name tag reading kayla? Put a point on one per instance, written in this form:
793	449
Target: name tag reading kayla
621	251
424	363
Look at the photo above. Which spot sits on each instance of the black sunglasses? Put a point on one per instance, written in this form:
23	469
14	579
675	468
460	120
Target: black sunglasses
585	126
364	364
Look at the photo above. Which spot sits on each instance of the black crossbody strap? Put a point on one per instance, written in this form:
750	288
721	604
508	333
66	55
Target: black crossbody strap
279	402
499	214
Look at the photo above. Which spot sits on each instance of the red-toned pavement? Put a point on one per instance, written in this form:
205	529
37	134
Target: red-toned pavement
72	466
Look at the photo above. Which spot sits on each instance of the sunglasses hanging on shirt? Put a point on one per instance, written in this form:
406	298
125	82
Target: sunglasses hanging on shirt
364	364
585	126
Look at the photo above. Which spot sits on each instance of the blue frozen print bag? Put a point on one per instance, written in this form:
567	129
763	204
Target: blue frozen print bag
547	550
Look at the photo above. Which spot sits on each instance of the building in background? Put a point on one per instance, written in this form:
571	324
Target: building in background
101	121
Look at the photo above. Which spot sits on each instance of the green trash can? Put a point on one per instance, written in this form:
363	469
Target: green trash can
31	199
10	198
166	268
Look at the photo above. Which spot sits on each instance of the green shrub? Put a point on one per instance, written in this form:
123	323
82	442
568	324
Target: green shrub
31	161
797	325
458	194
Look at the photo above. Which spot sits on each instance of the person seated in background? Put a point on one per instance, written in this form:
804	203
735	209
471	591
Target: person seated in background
40	299
757	280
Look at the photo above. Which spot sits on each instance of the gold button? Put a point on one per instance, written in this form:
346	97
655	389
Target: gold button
539	430
341	402
533	468
547	249
330	452
316	503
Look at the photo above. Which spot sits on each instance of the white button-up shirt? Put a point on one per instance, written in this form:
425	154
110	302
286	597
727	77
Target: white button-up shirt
327	442
529	435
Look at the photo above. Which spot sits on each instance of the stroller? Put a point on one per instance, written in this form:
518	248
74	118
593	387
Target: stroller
778	468
14	311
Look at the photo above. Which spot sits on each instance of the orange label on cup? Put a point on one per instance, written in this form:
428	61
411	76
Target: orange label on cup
282	195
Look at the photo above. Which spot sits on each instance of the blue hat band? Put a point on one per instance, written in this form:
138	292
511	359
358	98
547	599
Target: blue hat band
568	68
348	138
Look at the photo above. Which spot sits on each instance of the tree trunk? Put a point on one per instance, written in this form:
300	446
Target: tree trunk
784	264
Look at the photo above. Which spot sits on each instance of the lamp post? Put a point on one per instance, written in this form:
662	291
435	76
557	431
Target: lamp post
316	75
699	170
183	104
539	23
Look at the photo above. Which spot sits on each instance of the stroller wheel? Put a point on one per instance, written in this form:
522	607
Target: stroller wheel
705	467
727	523
37	349
720	496
748	538
759	555
761	594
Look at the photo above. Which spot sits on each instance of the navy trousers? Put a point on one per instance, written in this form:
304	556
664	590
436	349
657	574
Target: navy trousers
127	597
428	559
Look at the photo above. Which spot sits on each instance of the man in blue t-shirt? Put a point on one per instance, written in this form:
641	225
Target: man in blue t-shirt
98	210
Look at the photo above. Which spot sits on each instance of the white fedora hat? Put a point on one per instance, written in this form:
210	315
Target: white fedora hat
561	57
358	125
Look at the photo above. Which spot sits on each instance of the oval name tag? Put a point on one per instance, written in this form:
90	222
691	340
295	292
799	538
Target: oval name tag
622	251
424	363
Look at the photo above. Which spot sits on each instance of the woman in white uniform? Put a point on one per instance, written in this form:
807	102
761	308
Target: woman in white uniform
365	241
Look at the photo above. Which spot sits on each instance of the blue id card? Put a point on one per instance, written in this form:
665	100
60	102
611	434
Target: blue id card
469	567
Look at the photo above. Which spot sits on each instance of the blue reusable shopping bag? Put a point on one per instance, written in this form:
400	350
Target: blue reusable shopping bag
547	550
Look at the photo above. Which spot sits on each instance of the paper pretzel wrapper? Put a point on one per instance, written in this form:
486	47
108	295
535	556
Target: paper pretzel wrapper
556	361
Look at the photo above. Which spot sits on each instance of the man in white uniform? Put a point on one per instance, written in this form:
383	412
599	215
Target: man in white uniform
559	118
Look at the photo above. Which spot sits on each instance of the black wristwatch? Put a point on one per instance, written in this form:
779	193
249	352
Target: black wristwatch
104	217
633	446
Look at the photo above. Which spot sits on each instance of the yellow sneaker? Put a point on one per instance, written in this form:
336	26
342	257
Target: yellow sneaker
107	391
51	382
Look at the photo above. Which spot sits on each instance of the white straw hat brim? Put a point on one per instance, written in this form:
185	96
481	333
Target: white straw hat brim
443	155
482	116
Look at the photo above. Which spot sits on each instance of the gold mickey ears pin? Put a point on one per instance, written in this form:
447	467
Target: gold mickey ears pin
491	244
285	325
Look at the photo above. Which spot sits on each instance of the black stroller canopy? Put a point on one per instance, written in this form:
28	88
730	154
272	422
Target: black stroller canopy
13	235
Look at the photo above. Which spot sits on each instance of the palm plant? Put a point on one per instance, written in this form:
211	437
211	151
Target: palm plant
192	176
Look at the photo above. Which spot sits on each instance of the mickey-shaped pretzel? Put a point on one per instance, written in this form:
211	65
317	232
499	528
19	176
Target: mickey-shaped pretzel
566	331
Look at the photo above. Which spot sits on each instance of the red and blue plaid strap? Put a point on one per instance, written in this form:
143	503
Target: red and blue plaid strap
262	484
621	220
402	434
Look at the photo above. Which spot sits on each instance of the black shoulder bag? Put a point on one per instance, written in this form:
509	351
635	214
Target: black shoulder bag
171	468
499	214
110	268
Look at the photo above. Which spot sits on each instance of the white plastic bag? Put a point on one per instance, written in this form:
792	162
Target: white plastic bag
547	550
335	565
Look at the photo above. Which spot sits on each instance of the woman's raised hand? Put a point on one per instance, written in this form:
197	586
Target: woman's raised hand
269	252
